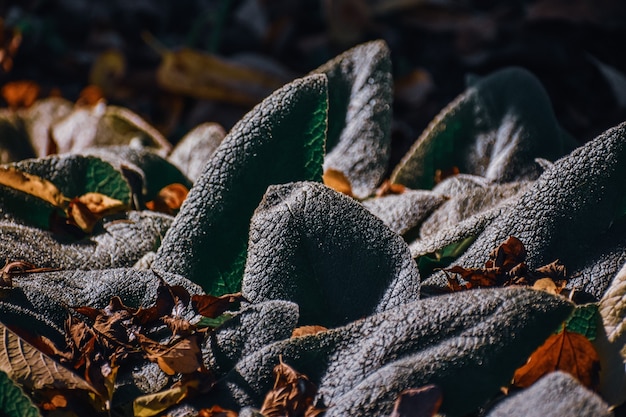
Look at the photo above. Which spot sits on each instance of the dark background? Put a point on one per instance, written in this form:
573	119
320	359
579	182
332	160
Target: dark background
576	48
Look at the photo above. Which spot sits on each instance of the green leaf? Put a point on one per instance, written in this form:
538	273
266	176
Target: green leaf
280	140
324	251
584	320
214	322
496	129
443	257
13	401
360	90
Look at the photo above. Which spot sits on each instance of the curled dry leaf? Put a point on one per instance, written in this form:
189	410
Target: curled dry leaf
206	76
88	209
33	185
181	356
11	269
307	330
418	402
211	306
291	396
337	181
154	404
90	96
566	351
216	411
169	199
20	94
505	267
389	188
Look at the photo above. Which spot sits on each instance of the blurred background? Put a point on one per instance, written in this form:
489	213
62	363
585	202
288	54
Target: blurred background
181	63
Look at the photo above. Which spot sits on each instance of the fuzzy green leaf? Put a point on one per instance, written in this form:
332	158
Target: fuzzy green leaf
496	129
13	401
584	320
360	90
280	140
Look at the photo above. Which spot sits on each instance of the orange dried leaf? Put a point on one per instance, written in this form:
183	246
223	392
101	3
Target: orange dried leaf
418	402
20	94
216	411
337	181
57	401
33	185
211	306
291	396
509	254
183	356
566	351
307	330
88	209
389	188
169	199
90	96
442	174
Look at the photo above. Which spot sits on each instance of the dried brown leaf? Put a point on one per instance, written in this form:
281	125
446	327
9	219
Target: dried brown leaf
509	254
169	199
291	396
33	185
211	306
181	356
337	181
216	411
307	330
20	94
418	402
388	188
566	351
35	370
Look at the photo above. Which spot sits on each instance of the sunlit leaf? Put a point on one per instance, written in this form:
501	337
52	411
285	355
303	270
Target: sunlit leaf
154	404
206	76
418	402
169	199
212	307
337	181
566	351
32	184
20	94
33	369
181	356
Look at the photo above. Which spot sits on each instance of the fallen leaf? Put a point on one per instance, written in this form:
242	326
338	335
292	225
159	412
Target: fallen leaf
337	181
547	285
106	71
211	306
11	269
153	404
307	330
182	356
10	40
90	96
20	94
507	255
291	396
442	174
566	351
169	199
207	76
389	188
418	402
57	401
33	185
216	411
33	369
